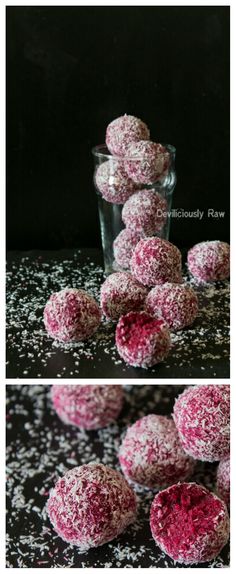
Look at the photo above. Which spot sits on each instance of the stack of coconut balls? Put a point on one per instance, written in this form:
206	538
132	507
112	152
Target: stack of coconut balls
148	298
93	503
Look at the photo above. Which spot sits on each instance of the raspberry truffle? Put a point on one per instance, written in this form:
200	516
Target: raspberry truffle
90	505
189	523
145	212
121	293
141	340
147	161
71	315
156	261
209	261
113	182
202	417
177	304
124	245
151	453
124	130
87	406
223	480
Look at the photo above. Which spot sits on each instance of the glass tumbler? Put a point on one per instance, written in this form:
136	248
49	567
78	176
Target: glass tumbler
111	198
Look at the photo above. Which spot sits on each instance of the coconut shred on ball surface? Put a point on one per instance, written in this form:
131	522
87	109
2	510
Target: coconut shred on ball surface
209	261
202	417
176	303
71	315
123	247
145	212
123	131
146	161
223	480
87	406
151	453
91	505
121	293
156	261
113	182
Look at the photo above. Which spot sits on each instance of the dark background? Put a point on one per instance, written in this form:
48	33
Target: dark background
71	70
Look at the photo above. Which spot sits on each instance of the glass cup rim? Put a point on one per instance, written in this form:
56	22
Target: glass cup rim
97	152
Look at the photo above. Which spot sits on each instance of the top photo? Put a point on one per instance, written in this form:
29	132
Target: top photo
118	192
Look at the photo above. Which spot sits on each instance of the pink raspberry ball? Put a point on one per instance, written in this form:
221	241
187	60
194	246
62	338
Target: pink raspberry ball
189	523
177	304
87	406
141	340
71	315
90	505
121	293
223	480
209	261
151	454
156	261
124	245
145	212
202	417
124	130
147	161
113	182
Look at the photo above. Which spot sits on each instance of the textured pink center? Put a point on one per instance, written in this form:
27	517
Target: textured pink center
183	513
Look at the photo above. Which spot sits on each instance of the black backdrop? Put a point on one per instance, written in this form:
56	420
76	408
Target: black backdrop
71	70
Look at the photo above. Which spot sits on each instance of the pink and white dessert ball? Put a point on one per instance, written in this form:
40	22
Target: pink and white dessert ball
121	293
209	261
147	161
87	406
90	505
202	417
151	454
223	480
124	130
71	315
145	212
156	261
141	340
124	245
177	304
189	523
113	182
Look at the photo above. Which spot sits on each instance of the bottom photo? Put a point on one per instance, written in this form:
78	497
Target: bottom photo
117	476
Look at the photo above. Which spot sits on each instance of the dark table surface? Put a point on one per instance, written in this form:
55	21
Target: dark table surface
201	351
40	449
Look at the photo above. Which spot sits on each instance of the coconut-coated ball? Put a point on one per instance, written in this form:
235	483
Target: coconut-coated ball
189	523
145	212
124	245
202	417
124	130
87	406
113	182
141	340
71	315
151	454
156	261
146	162
209	261
121	293
223	480
90	505
177	304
